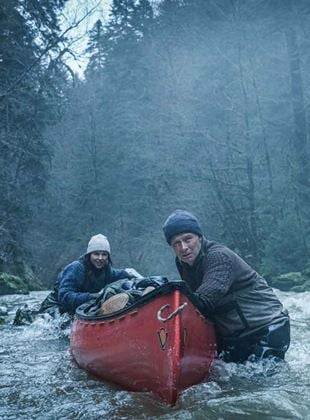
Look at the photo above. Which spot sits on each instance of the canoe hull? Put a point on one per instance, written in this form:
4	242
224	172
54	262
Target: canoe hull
140	352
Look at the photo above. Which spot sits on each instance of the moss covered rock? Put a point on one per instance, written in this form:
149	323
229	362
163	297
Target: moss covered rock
302	288
10	285
31	279
27	280
306	272
294	281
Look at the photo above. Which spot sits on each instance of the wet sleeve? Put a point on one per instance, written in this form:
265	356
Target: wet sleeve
70	295
217	280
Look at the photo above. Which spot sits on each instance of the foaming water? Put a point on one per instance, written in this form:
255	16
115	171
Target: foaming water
39	379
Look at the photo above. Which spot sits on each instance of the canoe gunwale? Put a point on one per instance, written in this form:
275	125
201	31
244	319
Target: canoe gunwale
87	311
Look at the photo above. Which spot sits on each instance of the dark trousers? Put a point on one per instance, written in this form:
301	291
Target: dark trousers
273	340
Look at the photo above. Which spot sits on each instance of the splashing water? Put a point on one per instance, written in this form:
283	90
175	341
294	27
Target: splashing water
39	379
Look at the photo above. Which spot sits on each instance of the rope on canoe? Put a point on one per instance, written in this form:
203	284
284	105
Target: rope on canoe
174	313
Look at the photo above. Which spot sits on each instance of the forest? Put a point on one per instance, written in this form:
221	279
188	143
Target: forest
192	104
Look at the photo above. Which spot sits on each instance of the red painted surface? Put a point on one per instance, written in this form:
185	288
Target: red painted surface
140	353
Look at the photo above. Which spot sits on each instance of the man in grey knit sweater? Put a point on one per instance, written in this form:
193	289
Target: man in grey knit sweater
249	318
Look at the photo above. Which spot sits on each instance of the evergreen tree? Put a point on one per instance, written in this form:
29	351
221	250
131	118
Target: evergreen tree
28	29
97	50
195	107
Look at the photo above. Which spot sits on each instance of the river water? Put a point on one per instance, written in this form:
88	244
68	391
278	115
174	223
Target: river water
39	380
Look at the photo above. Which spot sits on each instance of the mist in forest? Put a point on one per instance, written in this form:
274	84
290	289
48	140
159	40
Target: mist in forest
183	104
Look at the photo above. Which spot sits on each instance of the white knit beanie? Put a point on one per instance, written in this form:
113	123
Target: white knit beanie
98	243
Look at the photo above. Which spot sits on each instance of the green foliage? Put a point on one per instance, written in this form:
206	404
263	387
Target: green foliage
29	99
200	105
97	49
10	284
181	108
284	251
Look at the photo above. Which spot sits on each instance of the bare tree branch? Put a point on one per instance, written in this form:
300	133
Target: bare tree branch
45	51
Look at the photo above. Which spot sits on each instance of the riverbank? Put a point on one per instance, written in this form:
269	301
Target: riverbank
12	285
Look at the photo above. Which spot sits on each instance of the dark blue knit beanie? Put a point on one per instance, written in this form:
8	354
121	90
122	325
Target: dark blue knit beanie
181	221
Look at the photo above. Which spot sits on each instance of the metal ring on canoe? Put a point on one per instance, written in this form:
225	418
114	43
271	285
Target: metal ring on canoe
174	313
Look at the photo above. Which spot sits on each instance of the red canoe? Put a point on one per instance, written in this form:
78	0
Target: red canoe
162	344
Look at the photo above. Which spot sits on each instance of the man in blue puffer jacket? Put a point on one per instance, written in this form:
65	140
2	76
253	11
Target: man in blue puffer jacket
82	280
